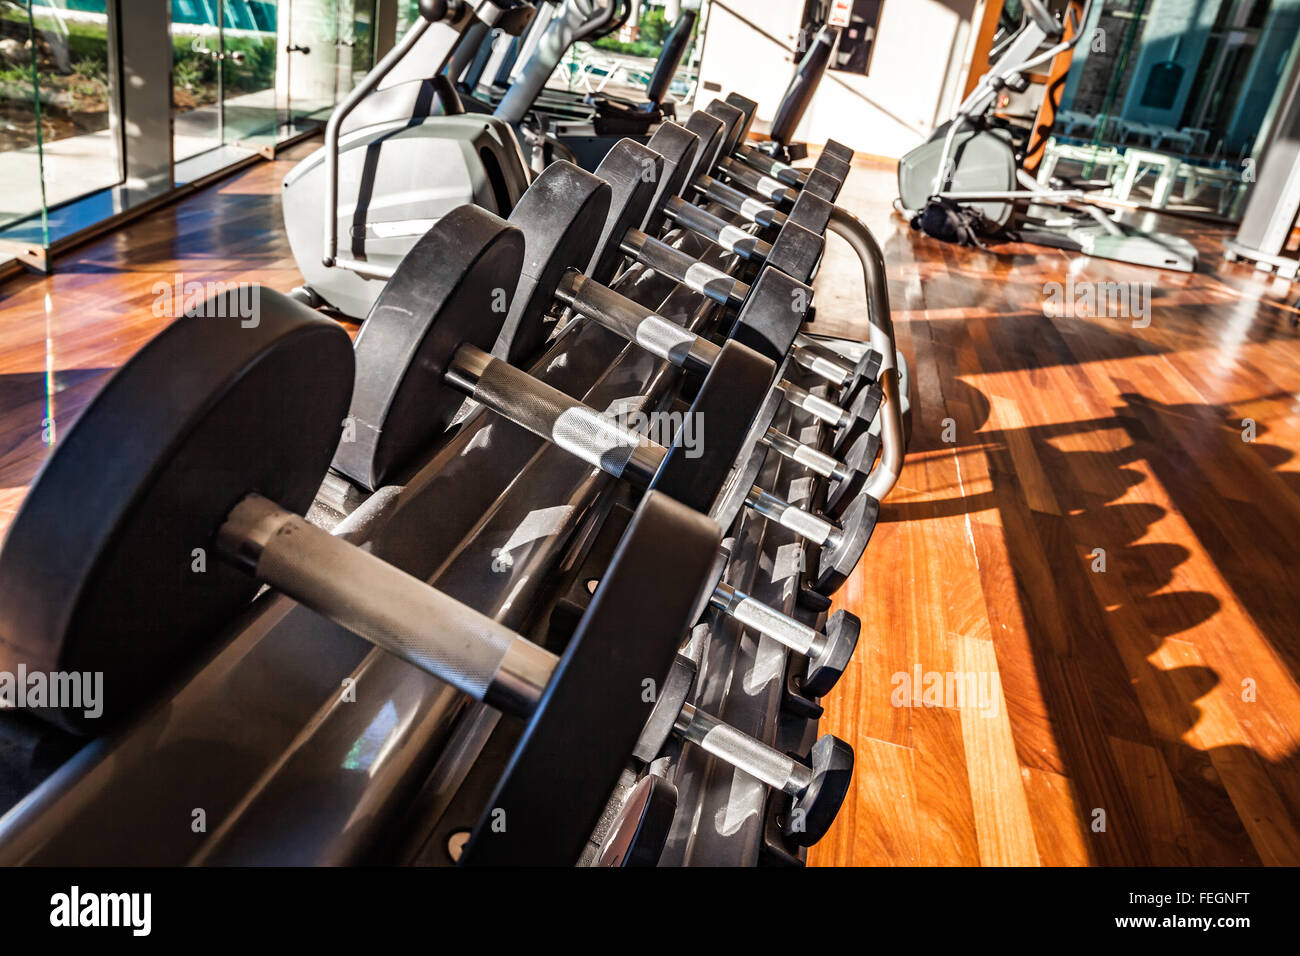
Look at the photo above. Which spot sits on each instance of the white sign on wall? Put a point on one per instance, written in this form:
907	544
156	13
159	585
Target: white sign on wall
841	11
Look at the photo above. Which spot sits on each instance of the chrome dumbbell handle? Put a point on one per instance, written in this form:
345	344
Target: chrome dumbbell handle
819	408
545	411
803	523
768	621
815	461
742	751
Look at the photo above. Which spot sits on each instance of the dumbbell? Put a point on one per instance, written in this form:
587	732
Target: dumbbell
632	171
798	244
817	788
770	328
557	207
825	178
697	355
412	376
868	251
762	159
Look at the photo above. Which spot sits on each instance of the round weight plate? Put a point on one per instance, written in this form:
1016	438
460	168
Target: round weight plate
862	412
109	566
639	832
633	173
678	146
860	459
842	631
705	449
672	697
448	290
832	772
835	564
732	500
773	314
561	214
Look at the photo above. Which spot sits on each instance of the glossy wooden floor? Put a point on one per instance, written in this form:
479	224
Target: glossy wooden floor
1148	713
1144	714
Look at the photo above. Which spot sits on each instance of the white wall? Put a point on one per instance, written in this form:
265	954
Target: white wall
918	68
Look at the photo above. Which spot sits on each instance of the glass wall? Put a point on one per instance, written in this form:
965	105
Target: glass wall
58	138
1174	96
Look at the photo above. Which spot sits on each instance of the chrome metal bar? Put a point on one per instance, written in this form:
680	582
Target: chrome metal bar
743	752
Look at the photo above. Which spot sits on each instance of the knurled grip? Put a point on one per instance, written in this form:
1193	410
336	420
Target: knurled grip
695	275
578	429
731	238
733	199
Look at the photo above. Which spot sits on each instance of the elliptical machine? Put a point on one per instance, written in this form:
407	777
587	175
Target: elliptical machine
399	153
960	185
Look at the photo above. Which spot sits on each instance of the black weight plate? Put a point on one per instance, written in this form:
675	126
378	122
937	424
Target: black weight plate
747	107
678	146
812	212
831	760
842	631
733	122
452	287
859	459
670	697
838	150
732	501
711	131
862	411
561	214
823	185
796	251
633	173
725	405
98	573
773	313
639	832
837	169
835	564
577	742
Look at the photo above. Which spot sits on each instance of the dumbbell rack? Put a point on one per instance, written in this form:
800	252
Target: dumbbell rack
240	737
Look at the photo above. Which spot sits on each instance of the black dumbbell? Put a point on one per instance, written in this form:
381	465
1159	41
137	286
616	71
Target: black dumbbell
645	183
555	211
825	179
682	348
421	381
769	330
736	383
817	787
564	194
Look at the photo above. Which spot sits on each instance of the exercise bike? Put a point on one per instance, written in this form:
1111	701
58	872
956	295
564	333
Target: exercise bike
961	184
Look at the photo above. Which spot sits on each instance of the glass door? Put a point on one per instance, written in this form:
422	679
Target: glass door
196	77
356	44
250	48
312	58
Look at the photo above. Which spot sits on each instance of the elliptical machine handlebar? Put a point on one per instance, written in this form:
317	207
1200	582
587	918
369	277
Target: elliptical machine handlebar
1037	11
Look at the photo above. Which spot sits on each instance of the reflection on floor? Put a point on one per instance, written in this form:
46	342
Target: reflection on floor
1144	713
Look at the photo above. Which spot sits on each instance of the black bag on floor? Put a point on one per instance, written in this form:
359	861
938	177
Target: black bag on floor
948	220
